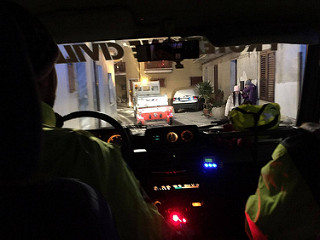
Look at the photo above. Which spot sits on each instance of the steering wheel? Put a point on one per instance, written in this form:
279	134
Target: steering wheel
126	148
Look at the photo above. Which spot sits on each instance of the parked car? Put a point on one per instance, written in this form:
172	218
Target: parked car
187	99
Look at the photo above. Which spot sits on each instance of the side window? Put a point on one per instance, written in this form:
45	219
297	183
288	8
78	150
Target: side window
81	74
146	88
161	81
267	75
195	80
154	88
71	78
233	73
158	64
112	96
215	78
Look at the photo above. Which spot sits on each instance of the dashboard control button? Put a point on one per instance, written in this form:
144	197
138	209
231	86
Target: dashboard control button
172	137
187	136
116	138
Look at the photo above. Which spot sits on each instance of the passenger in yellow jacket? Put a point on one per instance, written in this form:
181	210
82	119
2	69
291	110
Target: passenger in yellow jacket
284	205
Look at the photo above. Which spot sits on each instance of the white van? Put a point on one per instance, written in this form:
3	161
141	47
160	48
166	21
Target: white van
187	99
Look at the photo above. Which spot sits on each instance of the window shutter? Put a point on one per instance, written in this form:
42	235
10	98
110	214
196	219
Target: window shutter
263	77
195	80
162	82
267	75
71	78
271	76
215	78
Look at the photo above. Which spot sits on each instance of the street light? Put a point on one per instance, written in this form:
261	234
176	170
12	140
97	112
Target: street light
144	81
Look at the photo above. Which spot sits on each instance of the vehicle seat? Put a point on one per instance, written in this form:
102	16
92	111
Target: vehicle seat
57	209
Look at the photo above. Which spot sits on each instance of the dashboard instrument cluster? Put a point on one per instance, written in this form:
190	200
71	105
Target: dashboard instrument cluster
107	135
186	136
115	138
171	136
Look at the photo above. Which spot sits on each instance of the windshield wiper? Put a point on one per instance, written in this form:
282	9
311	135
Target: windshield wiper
214	124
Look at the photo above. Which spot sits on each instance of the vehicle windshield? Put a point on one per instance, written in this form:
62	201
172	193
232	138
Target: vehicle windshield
107	77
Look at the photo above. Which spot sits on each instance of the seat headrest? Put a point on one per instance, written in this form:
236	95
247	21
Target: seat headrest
20	124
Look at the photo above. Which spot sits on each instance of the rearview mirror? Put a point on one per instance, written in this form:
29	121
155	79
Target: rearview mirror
173	51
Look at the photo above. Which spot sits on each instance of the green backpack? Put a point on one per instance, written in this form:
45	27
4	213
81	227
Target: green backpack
255	117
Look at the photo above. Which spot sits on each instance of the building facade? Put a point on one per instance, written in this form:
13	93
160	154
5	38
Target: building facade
276	70
171	78
85	84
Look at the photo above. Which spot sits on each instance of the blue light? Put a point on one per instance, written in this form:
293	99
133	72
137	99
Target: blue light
210	165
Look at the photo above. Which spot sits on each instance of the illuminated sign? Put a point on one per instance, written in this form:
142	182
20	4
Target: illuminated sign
197	204
209	48
77	52
112	51
176	187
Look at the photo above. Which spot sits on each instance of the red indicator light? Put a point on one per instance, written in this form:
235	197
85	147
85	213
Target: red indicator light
175	218
194	97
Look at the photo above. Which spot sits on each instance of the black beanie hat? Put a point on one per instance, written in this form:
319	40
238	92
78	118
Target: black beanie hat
42	49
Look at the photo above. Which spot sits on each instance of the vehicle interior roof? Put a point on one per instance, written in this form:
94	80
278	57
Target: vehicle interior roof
225	22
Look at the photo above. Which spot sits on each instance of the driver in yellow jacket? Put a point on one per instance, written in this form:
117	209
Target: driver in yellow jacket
77	154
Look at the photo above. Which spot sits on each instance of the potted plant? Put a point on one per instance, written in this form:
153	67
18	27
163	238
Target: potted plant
205	91
218	104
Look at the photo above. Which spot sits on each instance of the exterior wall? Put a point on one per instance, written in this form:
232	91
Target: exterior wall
67	102
223	78
287	79
132	65
178	78
121	80
224	69
107	90
175	80
63	96
90	84
248	67
132	69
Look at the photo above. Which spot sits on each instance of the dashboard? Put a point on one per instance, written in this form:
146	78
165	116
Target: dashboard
194	173
167	148
176	136
187	147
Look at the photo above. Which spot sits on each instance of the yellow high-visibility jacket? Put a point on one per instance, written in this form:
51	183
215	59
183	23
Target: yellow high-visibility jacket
78	154
283	206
